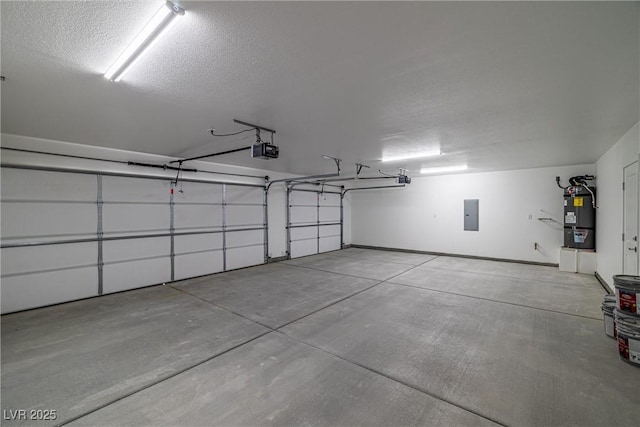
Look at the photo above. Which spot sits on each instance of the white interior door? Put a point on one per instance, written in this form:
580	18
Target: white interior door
630	248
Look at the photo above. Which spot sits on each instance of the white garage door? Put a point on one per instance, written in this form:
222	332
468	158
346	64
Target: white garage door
315	222
67	236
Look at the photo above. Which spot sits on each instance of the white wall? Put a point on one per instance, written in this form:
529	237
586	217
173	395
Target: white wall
609	170
347	220
427	215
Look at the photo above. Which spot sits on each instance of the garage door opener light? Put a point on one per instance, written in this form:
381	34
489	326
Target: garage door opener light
145	38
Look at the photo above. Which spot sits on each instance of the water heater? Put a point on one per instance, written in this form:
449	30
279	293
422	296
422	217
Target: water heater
579	217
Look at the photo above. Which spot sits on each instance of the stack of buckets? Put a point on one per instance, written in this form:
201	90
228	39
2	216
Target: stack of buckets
622	317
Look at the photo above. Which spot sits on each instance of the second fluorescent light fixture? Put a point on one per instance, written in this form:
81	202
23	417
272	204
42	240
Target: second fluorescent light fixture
409	156
150	33
444	169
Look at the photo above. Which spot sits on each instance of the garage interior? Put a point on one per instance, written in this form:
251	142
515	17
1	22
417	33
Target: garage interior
317	213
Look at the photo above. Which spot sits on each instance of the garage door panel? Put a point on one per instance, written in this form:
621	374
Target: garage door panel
329	243
189	217
244	195
331	214
134	249
197	242
48	221
21	184
329	199
124	219
245	238
303	198
245	216
37	290
329	230
38	258
304	248
303	215
127	275
196	192
198	264
304	233
136	190
245	257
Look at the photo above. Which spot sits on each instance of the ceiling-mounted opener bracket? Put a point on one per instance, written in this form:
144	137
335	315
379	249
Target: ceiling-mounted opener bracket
402	176
175	181
359	167
256	127
336	160
261	149
345	191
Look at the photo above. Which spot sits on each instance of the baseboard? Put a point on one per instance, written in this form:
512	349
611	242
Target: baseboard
411	251
603	283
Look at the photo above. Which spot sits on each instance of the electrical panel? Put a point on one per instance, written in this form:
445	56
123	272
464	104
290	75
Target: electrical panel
471	217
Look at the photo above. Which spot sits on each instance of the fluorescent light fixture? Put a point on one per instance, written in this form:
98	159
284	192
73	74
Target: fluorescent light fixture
444	169
409	156
149	34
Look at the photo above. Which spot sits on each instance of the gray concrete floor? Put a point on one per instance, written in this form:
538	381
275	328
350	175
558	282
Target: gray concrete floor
353	337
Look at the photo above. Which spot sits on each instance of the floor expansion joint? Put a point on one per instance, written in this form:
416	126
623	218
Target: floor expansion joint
496	301
411	386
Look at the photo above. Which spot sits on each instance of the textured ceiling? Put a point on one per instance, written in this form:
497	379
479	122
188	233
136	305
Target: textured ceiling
496	85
